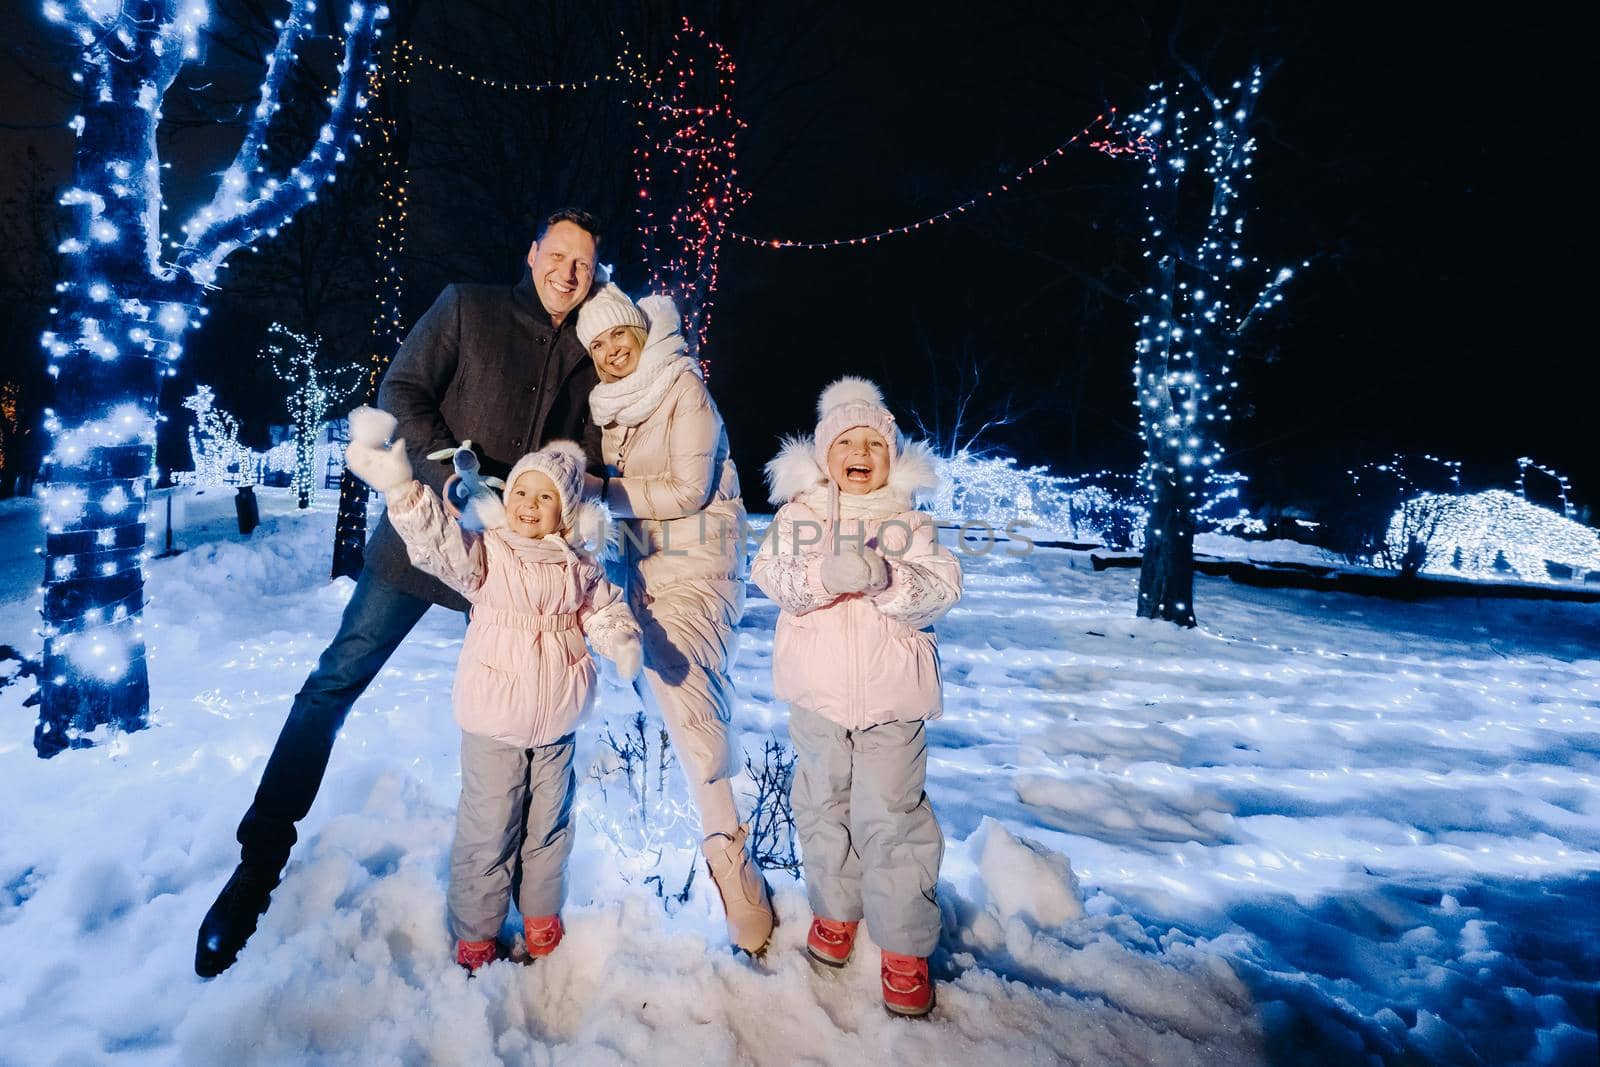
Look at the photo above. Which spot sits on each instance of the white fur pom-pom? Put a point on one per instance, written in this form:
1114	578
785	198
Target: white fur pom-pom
915	472
592	527
485	511
662	314
571	449
371	426
848	390
793	470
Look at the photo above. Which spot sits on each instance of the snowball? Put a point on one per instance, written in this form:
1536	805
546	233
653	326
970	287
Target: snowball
371	426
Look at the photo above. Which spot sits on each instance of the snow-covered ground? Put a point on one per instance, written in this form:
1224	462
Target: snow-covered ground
1317	830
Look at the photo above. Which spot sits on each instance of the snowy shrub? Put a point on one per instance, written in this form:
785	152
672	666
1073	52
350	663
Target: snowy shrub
642	810
1114	517
1488	534
995	491
1361	528
772	830
1106	506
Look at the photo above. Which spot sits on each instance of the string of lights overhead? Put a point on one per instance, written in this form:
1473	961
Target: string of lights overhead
412	54
691	140
1112	143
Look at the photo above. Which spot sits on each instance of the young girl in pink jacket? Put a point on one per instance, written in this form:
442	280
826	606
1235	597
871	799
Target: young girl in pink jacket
861	577
524	678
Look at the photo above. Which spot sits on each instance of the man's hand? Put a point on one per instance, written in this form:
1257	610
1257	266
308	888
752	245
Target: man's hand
385	469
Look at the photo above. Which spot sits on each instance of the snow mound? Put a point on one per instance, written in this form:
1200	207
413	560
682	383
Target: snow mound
1319	829
1025	879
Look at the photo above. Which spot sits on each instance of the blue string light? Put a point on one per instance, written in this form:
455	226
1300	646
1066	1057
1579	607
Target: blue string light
1191	317
123	307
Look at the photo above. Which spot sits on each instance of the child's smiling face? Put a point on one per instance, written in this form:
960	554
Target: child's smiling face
533	505
858	460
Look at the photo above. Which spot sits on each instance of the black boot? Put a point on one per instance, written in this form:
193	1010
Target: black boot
232	919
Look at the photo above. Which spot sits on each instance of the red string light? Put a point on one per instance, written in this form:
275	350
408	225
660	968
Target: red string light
684	162
685	166
1115	143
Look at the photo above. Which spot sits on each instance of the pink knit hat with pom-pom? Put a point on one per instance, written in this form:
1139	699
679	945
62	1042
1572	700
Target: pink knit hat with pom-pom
847	403
563	463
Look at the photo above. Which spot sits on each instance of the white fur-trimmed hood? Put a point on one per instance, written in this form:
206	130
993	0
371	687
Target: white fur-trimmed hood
793	472
592	528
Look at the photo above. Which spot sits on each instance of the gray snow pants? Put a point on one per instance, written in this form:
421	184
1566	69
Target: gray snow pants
513	801
869	840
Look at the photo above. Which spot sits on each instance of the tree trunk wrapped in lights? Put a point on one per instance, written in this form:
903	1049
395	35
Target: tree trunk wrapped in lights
123	310
1191	318
317	389
388	123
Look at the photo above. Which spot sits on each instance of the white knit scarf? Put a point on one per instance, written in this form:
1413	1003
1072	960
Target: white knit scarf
629	401
848	512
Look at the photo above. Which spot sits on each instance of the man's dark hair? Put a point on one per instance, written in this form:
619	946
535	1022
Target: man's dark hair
581	219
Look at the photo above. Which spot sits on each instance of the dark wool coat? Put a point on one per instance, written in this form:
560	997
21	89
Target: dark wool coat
484	364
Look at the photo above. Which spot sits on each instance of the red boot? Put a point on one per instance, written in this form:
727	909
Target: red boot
906	988
543	933
830	942
475	954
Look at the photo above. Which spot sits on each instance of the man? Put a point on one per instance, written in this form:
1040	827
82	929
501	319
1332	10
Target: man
501	366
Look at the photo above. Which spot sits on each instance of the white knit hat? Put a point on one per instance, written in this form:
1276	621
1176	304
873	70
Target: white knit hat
563	463
847	403
605	309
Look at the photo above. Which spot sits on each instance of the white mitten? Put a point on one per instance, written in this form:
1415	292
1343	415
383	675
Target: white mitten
877	572
844	573
484	512
385	469
628	660
371	426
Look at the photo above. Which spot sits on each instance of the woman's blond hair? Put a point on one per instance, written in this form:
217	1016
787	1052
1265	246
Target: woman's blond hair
640	335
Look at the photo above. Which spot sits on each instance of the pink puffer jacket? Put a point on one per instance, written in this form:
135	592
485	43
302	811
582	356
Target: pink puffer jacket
858	660
525	677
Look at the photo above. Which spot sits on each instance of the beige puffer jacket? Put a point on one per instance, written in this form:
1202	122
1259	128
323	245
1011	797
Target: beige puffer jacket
525	677
676	491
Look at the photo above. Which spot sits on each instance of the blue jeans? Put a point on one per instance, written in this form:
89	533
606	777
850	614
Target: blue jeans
376	620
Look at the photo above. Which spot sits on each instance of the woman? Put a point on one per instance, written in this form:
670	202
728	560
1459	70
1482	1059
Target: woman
673	483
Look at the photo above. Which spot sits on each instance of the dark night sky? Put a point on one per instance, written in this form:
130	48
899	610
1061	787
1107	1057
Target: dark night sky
1420	155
